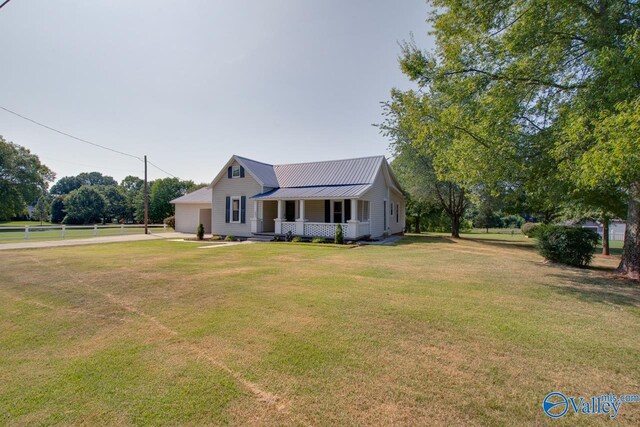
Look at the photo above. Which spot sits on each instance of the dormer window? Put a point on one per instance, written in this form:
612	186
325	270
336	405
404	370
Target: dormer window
235	171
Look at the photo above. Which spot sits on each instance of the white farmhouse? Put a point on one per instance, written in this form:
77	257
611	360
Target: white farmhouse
251	198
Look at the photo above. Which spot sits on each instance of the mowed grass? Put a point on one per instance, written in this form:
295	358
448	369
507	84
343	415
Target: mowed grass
430	331
37	233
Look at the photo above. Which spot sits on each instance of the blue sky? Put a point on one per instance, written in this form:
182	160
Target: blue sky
190	83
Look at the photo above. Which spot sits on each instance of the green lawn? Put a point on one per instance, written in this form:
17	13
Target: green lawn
431	331
37	233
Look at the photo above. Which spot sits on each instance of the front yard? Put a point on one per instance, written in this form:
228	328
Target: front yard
432	331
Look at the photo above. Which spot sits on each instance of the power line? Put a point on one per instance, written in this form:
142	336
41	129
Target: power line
160	169
4	3
84	140
69	135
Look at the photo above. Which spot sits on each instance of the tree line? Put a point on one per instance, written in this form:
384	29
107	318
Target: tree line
87	198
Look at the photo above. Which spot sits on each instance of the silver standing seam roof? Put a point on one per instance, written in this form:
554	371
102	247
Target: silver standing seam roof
321	180
202	195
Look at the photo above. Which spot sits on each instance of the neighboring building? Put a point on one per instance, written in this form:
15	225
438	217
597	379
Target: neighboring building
307	199
617	228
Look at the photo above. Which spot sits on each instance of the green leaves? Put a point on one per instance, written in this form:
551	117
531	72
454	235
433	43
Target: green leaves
22	178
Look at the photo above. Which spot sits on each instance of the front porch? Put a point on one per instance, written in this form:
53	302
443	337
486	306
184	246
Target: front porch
311	217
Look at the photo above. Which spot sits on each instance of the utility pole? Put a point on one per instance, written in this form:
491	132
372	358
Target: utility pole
146	198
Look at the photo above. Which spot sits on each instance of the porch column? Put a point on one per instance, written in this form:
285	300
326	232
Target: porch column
352	228
256	223
279	219
300	220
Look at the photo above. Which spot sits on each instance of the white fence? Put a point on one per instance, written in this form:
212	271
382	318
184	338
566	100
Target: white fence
30	232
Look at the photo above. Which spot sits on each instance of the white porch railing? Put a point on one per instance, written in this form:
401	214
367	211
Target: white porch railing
288	227
323	229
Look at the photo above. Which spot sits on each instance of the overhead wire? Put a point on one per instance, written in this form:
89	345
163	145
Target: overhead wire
84	140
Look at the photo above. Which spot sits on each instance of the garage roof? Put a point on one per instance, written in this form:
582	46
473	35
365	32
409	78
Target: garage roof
202	195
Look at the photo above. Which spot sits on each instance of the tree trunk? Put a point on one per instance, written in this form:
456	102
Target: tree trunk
630	263
455	226
605	236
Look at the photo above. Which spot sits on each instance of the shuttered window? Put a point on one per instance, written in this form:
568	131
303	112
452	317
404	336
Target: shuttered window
235	209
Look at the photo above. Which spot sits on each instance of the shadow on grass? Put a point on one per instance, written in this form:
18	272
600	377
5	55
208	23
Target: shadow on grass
502	244
598	287
423	238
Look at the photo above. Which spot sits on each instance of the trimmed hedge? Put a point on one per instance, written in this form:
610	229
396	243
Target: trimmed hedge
567	245
200	232
529	229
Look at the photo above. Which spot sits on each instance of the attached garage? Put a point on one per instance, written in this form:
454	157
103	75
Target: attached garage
193	209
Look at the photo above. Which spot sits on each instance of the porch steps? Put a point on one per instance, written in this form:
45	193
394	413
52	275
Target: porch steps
261	238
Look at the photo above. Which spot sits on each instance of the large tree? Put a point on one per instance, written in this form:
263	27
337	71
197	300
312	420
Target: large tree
161	193
67	184
538	95
86	205
417	175
22	178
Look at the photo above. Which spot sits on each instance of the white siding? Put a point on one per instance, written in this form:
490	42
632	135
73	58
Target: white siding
234	187
188	216
398	201
376	195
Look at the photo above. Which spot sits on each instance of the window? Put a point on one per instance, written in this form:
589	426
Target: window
235	171
363	210
397	212
235	209
337	211
391	208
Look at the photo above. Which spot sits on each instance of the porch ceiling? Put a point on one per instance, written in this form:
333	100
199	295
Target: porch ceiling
316	192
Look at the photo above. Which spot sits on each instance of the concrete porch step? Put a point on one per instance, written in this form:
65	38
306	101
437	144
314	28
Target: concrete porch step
260	238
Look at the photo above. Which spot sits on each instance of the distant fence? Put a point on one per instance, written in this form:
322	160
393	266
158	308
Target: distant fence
51	232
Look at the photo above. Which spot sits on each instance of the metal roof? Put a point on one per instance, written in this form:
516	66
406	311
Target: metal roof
315	192
262	171
335	172
202	195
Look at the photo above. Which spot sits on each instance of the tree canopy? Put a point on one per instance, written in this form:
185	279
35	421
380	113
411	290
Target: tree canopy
23	178
539	97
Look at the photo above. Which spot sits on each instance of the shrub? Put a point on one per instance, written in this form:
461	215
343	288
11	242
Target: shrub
319	240
530	229
297	239
567	245
288	236
170	221
230	238
216	237
339	239
200	232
